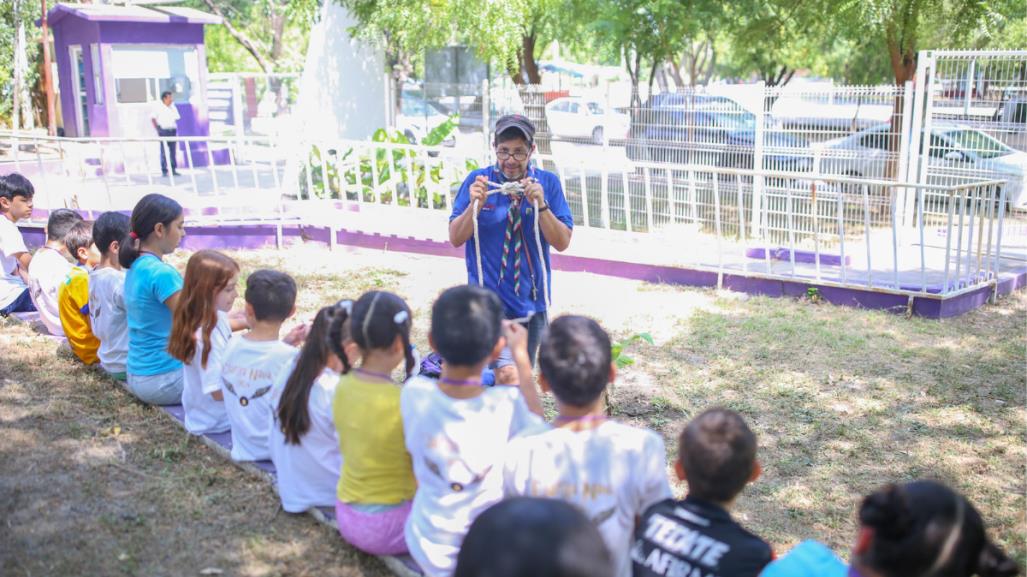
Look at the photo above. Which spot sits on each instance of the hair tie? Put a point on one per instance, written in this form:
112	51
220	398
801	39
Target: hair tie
346	305
401	317
133	235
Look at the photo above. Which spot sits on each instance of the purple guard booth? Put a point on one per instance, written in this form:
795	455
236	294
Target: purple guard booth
113	62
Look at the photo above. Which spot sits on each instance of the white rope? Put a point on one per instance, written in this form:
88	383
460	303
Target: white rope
477	244
516	189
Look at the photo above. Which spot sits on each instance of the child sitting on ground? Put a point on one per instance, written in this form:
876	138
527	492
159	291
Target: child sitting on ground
456	430
106	290
921	528
152	290
612	471
200	330
50	266
304	443
15	204
252	360
532	537
377	483
717	456
73	295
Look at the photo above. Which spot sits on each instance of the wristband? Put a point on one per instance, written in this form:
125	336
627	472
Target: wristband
543	209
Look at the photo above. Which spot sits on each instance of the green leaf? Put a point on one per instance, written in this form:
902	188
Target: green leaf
441	132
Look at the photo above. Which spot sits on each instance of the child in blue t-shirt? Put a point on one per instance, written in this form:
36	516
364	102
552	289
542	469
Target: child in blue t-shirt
152	288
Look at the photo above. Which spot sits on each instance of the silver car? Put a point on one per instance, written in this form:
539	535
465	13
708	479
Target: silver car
955	151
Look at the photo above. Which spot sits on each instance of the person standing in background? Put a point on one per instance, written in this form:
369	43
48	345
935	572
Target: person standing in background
165	120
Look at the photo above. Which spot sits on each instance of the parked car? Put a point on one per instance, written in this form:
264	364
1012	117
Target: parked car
954	149
418	117
710	130
575	117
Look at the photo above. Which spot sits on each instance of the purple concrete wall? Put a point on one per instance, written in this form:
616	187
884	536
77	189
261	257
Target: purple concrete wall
69	32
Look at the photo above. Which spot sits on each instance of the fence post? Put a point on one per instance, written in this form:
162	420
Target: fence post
757	160
914	172
904	154
486	121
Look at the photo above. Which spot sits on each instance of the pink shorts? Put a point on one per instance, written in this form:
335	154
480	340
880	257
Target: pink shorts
374	533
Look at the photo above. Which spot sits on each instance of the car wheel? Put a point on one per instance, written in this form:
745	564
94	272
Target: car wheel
597	135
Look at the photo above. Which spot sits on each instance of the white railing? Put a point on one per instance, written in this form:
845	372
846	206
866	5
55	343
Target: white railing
876	234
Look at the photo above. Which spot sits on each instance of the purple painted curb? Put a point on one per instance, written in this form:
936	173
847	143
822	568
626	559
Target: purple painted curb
263	236
803	256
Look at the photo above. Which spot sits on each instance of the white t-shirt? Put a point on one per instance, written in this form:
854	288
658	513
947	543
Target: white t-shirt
308	473
248	370
202	413
47	272
613	472
166	116
11	243
458	447
107	317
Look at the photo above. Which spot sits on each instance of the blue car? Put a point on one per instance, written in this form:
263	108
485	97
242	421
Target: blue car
710	131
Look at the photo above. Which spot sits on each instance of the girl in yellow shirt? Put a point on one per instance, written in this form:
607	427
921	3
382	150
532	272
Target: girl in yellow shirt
376	485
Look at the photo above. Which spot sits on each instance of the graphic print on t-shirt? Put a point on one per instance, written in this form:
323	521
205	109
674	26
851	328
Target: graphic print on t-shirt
246	376
443	459
695	538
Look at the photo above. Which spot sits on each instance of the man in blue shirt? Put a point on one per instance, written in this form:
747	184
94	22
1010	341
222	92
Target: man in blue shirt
511	265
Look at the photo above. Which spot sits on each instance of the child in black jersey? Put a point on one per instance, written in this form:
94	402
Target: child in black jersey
697	536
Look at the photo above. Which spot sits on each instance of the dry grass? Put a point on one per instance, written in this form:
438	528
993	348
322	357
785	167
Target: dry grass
843	400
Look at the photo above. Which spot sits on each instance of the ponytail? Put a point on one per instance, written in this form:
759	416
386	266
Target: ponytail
151	210
323	340
381	317
338	332
925	529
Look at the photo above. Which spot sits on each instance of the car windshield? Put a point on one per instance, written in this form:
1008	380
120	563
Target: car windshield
594	108
977	143
736	121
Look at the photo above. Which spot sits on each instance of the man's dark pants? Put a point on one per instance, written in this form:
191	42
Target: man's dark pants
167	147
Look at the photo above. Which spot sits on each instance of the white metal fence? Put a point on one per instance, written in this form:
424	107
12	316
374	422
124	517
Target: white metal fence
829	229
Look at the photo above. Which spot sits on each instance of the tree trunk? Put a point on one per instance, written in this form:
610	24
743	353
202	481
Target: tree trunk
903	64
633	73
674	69
529	65
711	65
517	74
661	78
652	77
902	59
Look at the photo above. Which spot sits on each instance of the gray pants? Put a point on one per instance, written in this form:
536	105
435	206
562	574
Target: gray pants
162	389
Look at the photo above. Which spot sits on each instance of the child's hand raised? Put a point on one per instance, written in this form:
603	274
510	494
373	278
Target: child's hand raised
516	339
297	335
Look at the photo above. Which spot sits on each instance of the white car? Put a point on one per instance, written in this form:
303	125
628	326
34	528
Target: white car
574	117
955	150
418	117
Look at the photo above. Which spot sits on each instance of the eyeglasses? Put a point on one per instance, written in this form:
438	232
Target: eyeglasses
519	156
